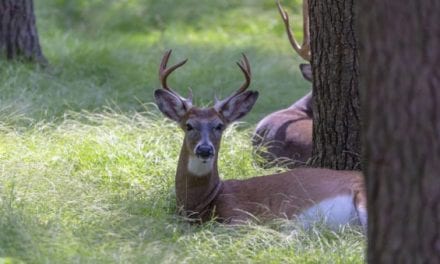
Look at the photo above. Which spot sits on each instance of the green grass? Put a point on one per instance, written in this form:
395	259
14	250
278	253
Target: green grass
87	163
98	188
96	62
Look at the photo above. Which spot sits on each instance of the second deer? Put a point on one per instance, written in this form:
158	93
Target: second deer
307	194
285	136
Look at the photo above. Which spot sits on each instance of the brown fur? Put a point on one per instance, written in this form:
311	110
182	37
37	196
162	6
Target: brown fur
284	138
200	193
284	195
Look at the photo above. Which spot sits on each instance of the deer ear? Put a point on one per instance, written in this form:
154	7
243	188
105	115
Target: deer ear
238	106
170	105
306	70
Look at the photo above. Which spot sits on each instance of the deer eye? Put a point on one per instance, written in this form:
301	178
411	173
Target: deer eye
219	127
189	127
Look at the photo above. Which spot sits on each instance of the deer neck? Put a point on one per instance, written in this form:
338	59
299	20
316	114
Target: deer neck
196	185
304	104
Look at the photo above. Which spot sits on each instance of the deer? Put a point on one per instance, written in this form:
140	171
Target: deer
284	137
306	194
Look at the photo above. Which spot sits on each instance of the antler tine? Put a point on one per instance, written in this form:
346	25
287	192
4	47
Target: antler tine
245	67
304	49
164	72
306	28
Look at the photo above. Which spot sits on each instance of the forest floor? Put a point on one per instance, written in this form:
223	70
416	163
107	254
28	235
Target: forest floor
87	162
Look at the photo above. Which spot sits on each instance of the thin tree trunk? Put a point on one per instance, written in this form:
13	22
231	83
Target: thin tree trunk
18	32
400	88
336	124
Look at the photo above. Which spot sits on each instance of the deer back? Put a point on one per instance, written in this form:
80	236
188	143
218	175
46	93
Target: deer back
284	137
290	195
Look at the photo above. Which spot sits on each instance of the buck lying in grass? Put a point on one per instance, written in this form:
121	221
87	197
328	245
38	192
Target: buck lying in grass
286	135
309	194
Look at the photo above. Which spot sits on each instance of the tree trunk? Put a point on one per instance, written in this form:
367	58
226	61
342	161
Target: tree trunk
18	32
400	89
336	124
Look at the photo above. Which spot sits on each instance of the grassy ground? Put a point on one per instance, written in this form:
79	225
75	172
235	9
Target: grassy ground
87	163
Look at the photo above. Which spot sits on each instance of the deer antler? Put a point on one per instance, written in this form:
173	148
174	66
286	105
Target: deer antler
304	49
246	69
164	72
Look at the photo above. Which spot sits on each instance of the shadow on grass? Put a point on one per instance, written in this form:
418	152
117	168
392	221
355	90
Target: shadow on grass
106	53
17	230
145	15
97	77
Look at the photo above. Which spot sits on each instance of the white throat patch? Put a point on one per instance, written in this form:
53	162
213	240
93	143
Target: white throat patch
199	167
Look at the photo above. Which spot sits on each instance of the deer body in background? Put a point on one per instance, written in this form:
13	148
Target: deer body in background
309	194
285	136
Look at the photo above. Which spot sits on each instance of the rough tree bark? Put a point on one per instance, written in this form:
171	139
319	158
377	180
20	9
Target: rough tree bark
18	32
400	91
336	124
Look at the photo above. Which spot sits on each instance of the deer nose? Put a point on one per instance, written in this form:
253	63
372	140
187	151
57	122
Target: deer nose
204	151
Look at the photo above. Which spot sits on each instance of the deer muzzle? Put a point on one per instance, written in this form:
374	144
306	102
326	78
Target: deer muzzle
204	151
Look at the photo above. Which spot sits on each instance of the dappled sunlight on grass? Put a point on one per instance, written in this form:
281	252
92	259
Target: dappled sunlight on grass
87	164
99	188
100	64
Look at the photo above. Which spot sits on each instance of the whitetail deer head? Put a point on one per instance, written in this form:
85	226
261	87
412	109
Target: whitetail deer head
203	127
305	194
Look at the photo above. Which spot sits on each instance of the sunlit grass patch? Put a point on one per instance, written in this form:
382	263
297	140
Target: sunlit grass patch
100	64
86	163
261	244
98	187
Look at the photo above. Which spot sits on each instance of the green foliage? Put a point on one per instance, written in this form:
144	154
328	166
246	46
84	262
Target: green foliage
87	165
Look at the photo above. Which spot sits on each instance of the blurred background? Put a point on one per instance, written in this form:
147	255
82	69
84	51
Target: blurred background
106	54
